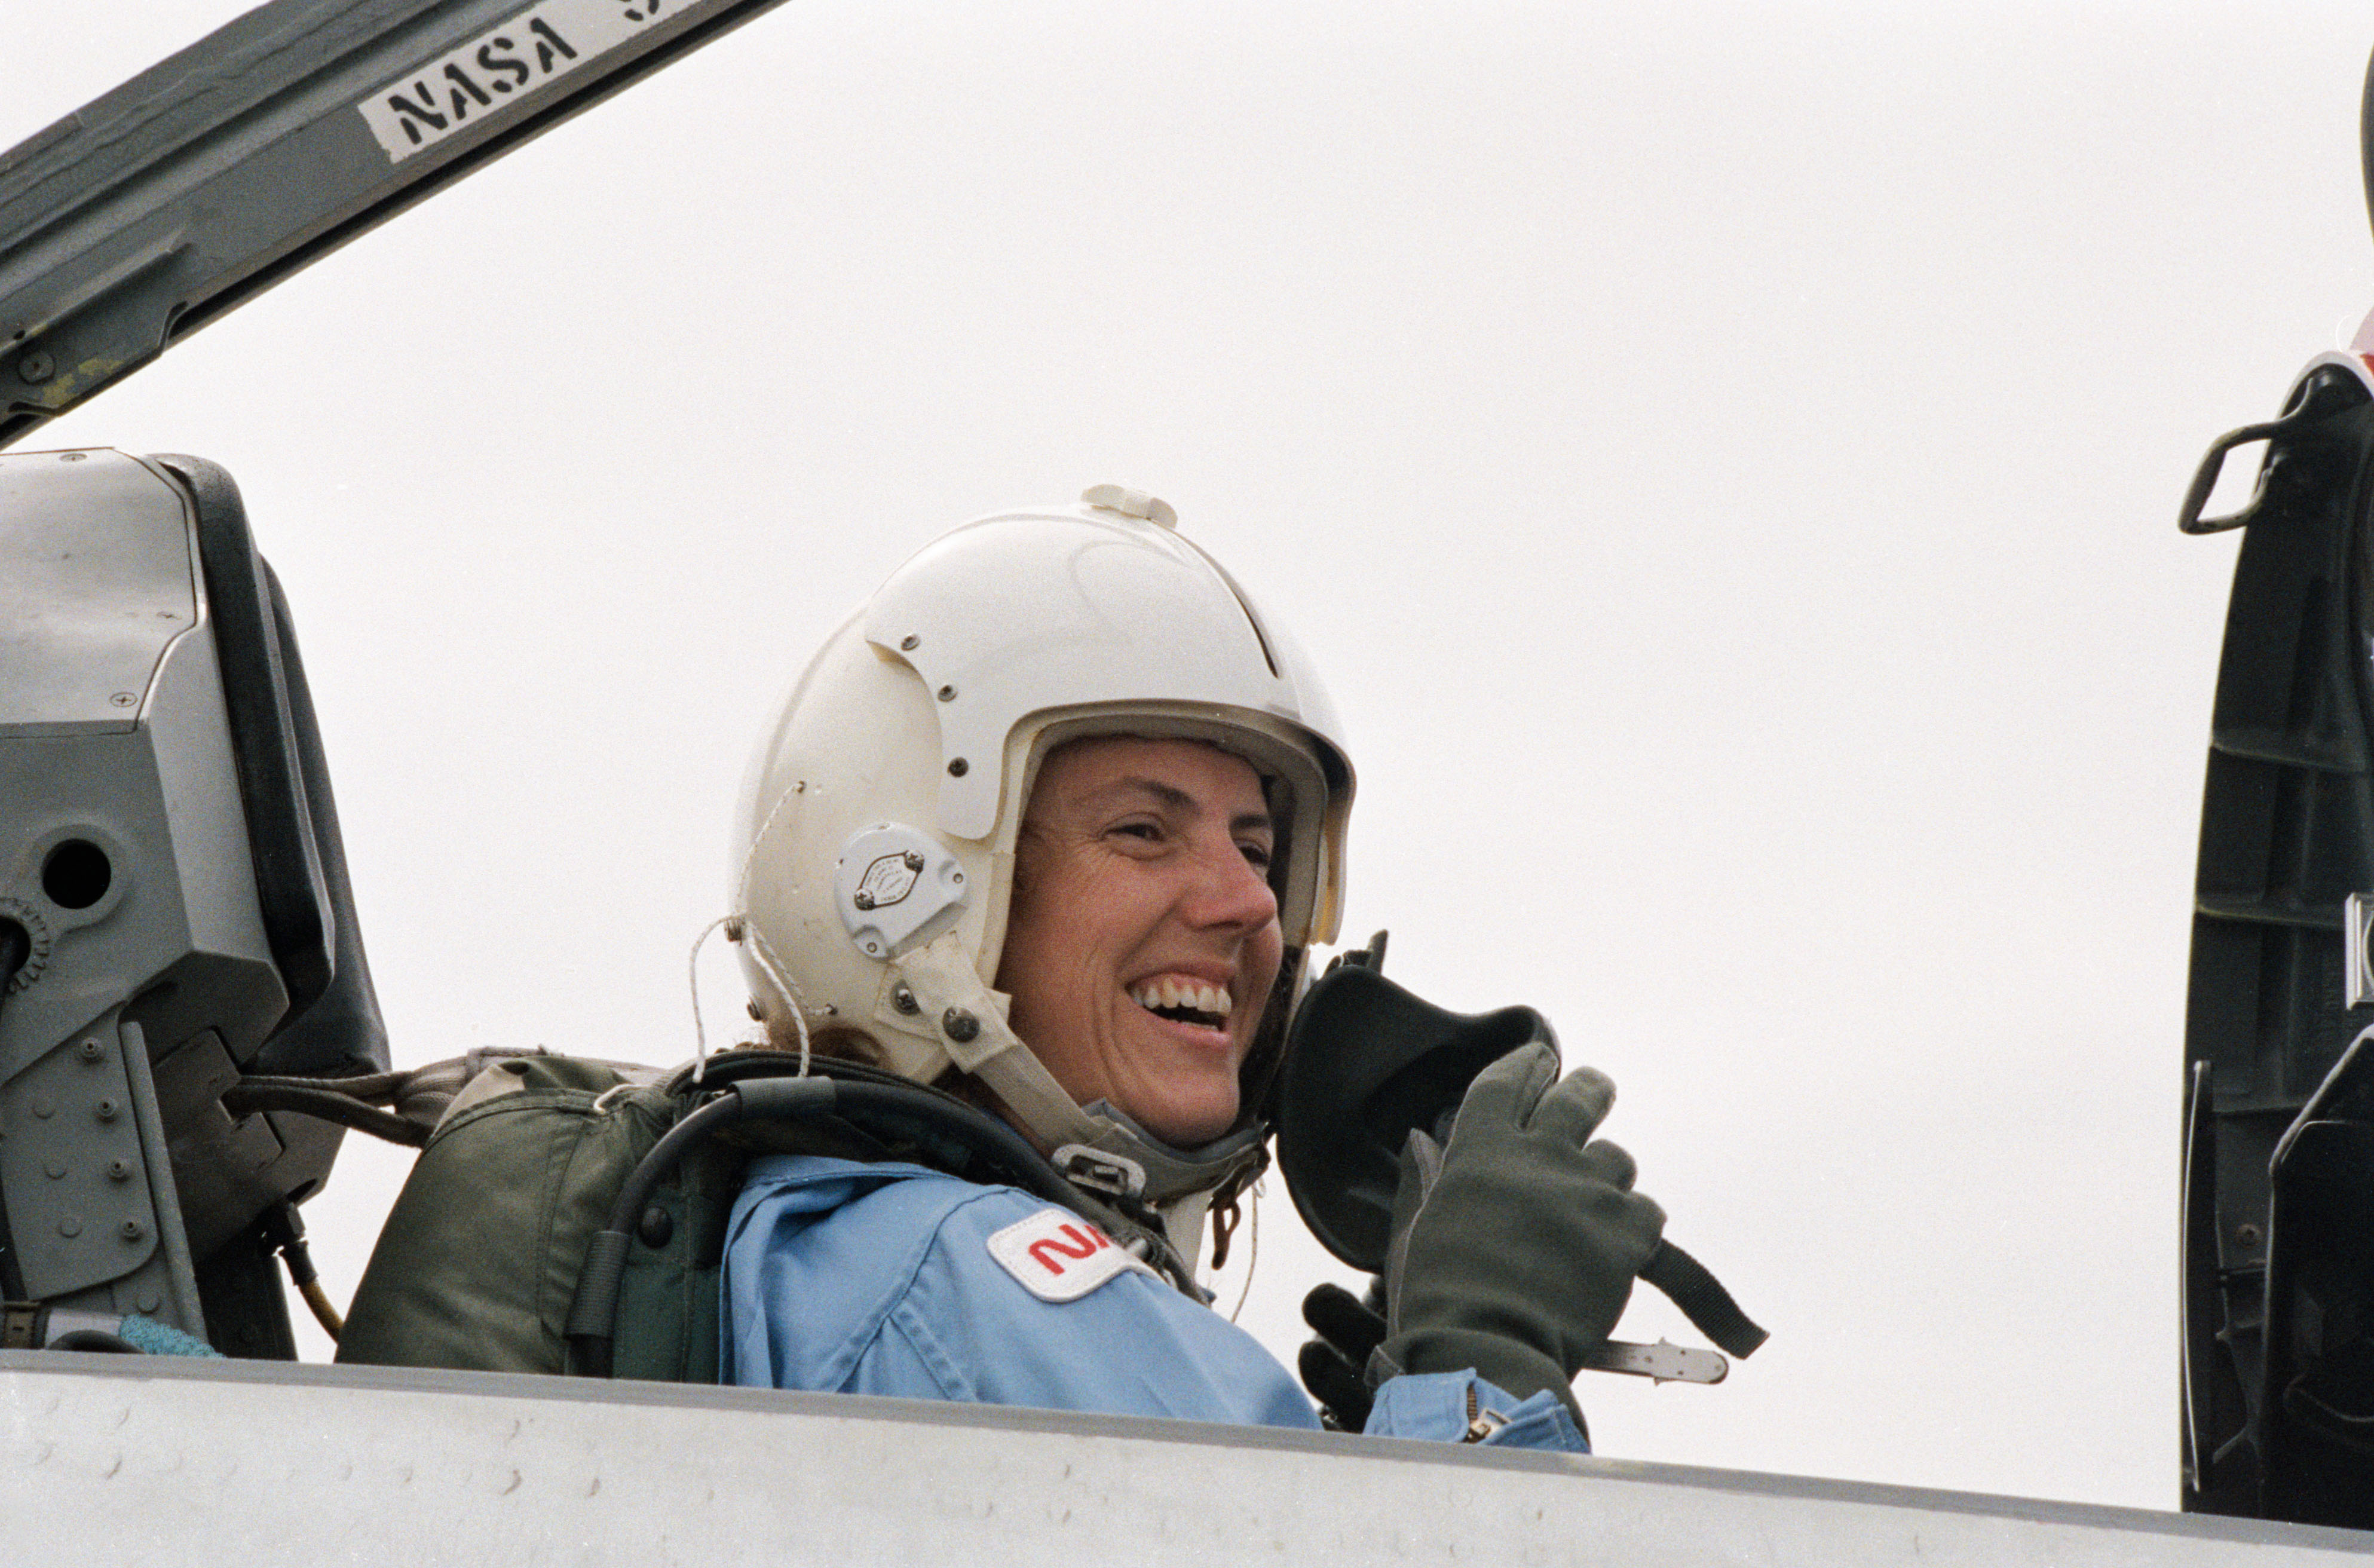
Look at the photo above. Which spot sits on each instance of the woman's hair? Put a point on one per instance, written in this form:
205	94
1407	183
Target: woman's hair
847	1042
842	1041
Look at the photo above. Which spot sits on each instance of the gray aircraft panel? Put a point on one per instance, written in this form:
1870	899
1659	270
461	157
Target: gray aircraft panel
262	147
134	1460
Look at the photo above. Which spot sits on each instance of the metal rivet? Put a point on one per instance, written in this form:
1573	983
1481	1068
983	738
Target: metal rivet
959	767
45	1108
958	1025
947	693
36	368
904	1000
657	1226
132	1229
55	1170
150	1301
910	643
119	1170
862	898
69	1226
90	1050
105	1110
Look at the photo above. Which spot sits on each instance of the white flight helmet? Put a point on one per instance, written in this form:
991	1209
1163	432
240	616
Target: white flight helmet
877	824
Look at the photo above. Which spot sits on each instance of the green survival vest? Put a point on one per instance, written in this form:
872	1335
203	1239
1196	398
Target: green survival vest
479	1260
483	1259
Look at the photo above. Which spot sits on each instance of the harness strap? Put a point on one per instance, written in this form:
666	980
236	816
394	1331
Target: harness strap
1702	1300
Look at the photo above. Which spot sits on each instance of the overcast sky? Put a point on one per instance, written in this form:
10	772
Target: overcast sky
1723	457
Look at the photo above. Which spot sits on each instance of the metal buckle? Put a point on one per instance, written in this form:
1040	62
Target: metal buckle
1663	1361
1483	1424
1086	1167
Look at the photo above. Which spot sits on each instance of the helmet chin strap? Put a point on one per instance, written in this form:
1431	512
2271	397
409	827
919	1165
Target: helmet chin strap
934	992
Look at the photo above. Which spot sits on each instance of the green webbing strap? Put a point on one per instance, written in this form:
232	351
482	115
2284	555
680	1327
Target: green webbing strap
1702	1300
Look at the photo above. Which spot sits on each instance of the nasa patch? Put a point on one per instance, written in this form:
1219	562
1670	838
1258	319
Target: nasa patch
1059	1256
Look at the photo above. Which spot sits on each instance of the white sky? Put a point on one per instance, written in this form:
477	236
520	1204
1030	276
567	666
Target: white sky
1724	455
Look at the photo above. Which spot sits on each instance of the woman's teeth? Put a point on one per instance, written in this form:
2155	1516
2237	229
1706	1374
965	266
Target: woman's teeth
1195	1002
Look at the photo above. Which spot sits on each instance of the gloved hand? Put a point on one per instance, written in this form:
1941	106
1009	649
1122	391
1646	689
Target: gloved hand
1334	1365
1515	1246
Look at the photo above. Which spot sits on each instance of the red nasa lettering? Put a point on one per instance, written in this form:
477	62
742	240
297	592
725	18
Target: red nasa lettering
1087	1245
1058	1257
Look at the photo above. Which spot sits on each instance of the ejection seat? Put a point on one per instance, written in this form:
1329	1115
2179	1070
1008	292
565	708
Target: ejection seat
178	953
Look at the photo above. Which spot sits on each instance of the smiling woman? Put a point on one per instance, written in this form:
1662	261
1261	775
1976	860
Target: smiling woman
1186	794
1052	824
1143	943
1722	454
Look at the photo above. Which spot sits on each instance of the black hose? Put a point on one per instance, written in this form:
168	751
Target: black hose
593	1322
317	1100
1009	1149
732	1106
592	1326
94	1339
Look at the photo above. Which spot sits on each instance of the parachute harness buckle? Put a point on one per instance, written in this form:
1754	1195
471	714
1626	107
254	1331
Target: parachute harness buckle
1098	1170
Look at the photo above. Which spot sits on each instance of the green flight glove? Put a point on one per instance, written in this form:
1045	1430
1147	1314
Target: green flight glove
1514	1248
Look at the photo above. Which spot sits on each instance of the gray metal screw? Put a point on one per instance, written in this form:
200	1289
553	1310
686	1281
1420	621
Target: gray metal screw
105	1110
959	767
132	1229
36	368
947	693
914	860
910	643
119	1170
862	898
124	699
904	1000
90	1050
958	1025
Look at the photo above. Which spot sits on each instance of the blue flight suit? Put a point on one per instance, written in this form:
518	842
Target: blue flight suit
897	1279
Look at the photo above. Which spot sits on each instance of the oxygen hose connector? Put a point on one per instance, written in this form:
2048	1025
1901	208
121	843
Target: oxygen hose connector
284	1230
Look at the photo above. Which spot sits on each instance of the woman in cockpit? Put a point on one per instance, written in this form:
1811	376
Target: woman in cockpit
1053	823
